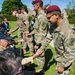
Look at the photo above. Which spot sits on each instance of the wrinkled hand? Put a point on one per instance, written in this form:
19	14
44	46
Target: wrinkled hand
9	32
26	61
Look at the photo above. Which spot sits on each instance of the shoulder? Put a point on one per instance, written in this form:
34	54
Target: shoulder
42	17
41	14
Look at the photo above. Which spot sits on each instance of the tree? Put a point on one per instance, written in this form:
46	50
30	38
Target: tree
71	8
9	5
71	11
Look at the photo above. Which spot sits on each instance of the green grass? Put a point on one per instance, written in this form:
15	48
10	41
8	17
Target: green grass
12	26
50	52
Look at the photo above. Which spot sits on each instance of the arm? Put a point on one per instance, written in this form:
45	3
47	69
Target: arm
38	53
28	60
16	28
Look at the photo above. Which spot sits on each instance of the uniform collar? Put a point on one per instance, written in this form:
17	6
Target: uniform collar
41	12
58	29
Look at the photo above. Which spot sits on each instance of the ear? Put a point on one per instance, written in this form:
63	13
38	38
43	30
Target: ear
37	4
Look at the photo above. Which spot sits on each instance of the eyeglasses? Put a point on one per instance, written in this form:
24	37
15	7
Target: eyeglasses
50	16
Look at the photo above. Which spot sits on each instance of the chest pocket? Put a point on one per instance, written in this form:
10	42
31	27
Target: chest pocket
59	41
71	41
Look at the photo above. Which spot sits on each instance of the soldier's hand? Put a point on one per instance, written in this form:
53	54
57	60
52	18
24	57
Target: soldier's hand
21	40
26	61
60	69
27	34
36	47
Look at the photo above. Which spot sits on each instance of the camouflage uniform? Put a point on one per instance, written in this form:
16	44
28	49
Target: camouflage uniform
28	41
40	31
22	25
64	42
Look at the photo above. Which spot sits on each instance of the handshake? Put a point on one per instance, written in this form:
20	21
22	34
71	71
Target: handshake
26	61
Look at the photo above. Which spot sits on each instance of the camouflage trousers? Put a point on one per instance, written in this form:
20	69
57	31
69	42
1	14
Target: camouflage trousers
28	42
41	59
43	41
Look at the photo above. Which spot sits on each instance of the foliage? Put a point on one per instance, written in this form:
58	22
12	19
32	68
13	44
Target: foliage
71	5
9	17
30	18
9	5
71	11
71	21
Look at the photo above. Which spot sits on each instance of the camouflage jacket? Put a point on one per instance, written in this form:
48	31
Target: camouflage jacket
40	26
22	23
64	38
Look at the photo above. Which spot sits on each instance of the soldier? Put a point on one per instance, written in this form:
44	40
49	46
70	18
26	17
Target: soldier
64	40
23	11
40	31
27	40
22	25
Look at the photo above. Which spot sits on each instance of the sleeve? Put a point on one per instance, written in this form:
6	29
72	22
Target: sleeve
26	22
43	23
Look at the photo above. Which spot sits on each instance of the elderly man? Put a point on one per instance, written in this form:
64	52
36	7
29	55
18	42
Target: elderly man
3	44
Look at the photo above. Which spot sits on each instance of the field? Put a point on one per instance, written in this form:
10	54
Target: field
50	52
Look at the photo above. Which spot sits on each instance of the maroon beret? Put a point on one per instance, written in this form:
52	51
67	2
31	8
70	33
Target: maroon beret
36	1
14	10
52	8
